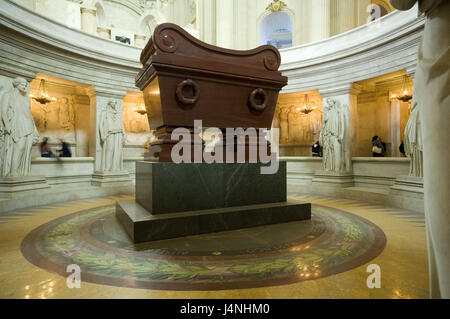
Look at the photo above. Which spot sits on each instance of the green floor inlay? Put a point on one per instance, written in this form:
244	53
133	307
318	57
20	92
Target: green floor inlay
332	242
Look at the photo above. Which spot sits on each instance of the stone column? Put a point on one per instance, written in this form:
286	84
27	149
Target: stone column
330	182
139	40
207	12
99	98
346	15
320	28
104	32
88	19
225	35
395	134
363	11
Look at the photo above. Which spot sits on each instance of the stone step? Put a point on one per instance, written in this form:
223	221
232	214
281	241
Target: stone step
54	195
143	226
377	195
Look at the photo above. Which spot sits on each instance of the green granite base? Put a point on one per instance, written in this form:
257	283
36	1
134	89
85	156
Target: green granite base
168	187
176	200
143	226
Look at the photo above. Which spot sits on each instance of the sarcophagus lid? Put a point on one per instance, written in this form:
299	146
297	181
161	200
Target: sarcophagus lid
184	79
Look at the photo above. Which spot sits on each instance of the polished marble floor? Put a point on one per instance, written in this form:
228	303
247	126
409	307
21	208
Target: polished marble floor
326	257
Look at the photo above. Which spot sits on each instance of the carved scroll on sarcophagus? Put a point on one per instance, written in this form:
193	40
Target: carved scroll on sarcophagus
184	79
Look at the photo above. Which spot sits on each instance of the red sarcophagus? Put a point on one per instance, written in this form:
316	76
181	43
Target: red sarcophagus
184	79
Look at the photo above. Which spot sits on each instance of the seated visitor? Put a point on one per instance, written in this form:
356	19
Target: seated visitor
401	148
45	148
317	150
65	150
378	149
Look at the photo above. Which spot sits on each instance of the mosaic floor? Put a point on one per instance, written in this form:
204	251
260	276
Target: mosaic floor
326	257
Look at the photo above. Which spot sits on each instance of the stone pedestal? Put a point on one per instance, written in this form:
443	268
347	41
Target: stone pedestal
341	179
104	32
175	200
331	183
139	40
409	186
15	187
408	192
112	178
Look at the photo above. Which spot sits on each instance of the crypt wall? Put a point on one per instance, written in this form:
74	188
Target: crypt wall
237	24
137	129
130	21
226	23
381	114
299	117
33	46
65	118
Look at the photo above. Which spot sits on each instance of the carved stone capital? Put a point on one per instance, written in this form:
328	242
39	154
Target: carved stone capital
90	10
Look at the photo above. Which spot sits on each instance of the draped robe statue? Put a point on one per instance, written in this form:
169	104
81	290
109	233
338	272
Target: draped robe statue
112	137
432	92
284	124
413	142
332	137
19	132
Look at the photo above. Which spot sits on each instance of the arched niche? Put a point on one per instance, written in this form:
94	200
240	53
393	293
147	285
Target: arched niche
101	14
276	28
149	21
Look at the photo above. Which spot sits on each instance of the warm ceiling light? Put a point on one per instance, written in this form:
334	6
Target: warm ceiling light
405	97
43	97
308	107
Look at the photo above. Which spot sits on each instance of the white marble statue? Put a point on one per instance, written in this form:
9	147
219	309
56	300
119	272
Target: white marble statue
284	125
112	138
67	114
18	130
2	134
332	137
432	94
413	142
276	118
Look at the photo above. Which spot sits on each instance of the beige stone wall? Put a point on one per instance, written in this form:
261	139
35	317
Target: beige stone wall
136	124
66	118
298	131
234	24
380	114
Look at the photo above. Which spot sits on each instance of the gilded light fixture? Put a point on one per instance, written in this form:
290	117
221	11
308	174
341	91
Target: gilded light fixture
405	96
307	107
43	97
276	6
